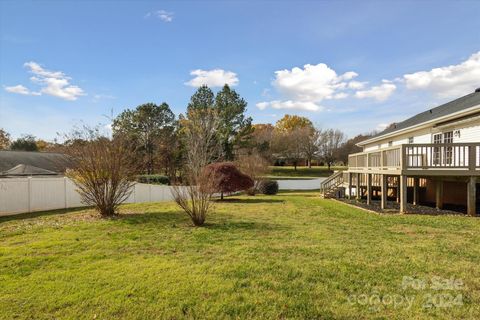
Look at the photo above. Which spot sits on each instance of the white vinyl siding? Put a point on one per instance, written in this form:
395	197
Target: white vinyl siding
468	132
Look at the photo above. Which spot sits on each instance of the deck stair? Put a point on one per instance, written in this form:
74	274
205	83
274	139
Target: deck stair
333	186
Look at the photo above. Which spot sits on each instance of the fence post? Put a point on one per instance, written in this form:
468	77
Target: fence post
65	192
29	194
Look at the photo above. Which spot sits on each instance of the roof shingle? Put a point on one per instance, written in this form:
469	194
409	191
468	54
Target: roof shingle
465	102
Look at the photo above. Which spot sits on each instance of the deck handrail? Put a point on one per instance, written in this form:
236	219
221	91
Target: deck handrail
419	156
332	181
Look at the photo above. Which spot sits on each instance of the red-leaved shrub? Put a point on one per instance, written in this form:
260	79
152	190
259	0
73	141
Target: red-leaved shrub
227	178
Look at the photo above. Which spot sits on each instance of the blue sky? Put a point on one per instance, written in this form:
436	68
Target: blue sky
353	65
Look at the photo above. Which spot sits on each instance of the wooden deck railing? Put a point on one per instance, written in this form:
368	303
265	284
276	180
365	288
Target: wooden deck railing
431	156
384	159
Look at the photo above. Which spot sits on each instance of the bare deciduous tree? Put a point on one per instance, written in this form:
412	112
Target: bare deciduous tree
289	144
254	166
102	169
310	143
4	139
199	131
330	142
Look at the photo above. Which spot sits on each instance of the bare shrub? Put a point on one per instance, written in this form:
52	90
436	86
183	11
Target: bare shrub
101	171
198	130
195	198
256	167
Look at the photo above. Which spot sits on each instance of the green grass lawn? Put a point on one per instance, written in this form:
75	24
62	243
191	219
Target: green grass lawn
290	256
301	172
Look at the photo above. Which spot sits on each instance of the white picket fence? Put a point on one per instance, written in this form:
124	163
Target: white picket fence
20	195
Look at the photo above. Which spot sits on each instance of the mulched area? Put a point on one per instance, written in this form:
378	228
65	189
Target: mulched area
394	207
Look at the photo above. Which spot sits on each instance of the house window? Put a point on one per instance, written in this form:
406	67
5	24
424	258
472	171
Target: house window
448	138
443	155
390	143
410	139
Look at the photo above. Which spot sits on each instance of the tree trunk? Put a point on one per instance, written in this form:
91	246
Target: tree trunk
221	195
309	163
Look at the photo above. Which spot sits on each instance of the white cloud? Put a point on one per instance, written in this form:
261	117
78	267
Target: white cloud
305	88
349	75
382	126
212	78
163	15
289	105
98	97
312	83
340	95
37	69
449	81
380	93
20	89
357	85
262	105
266	92
54	83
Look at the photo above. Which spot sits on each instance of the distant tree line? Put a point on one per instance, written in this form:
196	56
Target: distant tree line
157	137
26	142
294	139
213	148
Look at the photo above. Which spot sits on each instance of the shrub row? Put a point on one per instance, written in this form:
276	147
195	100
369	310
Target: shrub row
153	179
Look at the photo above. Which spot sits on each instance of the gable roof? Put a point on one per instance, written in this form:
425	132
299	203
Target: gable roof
28	170
457	105
53	162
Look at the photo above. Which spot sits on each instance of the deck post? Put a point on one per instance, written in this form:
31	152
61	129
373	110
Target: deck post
403	193
397	189
349	185
472	196
384	190
416	183
439	194
369	188
359	193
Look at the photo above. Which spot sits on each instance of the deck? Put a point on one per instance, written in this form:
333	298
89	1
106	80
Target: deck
456	159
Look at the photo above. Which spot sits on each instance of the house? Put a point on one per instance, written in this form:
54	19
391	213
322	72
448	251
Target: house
430	158
29	163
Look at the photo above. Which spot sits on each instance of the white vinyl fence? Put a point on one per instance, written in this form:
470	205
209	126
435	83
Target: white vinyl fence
299	184
19	195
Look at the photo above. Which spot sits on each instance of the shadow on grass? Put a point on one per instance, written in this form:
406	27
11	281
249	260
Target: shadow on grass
240	225
300	193
31	215
250	200
176	219
157	217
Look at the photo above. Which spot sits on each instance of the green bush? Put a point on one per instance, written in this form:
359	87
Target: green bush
268	187
153	179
